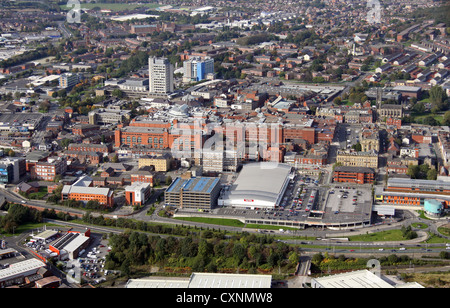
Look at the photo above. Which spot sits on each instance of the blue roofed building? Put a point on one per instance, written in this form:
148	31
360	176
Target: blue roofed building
194	193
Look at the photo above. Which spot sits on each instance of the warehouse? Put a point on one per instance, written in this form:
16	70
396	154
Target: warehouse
204	281
259	185
17	272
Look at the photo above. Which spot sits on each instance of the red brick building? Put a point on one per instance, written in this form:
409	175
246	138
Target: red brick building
356	175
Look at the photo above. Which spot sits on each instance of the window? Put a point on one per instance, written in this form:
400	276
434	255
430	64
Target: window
139	140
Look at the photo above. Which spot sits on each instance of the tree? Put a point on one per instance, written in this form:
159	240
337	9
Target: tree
437	96
446	120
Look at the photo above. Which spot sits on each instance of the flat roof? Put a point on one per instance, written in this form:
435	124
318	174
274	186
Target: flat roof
20	268
214	280
157	283
46	234
406	182
196	184
356	279
67	189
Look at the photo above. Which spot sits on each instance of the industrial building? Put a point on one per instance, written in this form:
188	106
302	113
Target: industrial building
359	279
18	272
205	281
195	193
259	185
72	243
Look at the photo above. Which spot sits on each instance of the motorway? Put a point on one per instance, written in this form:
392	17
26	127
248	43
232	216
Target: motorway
414	248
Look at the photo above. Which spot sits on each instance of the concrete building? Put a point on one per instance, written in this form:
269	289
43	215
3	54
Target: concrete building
18	167
68	80
197	69
195	193
161	76
108	116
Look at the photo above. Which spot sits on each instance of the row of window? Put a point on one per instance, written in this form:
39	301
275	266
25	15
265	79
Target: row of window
139	140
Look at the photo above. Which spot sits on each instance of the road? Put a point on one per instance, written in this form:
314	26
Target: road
413	248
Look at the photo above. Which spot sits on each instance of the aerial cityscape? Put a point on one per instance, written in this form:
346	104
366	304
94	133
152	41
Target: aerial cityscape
182	144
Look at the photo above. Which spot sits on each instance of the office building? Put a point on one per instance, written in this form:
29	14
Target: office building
85	194
137	193
355	175
161	76
18	167
68	80
358	159
6	173
197	69
48	170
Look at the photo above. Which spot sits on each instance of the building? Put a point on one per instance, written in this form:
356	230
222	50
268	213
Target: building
197	69
68	80
90	147
390	111
258	185
369	140
19	167
357	159
161	76
143	175
83	191
6	173
48	170
137	193
195	193
16	273
205	281
108	116
359	279
355	175
159	163
433	207
134	86
414	193
71	243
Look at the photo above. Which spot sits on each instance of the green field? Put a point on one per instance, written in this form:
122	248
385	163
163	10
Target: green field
214	221
113	6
